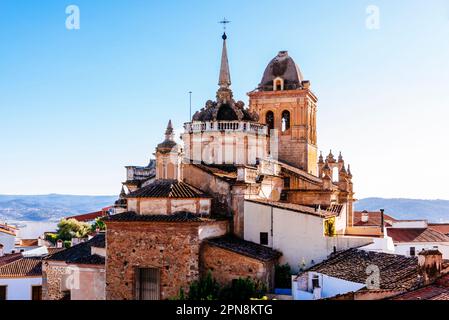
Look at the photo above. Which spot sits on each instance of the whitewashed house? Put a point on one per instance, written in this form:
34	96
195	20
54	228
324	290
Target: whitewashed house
7	239
410	237
298	231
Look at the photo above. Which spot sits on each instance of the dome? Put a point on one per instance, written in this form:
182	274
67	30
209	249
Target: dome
282	66
232	111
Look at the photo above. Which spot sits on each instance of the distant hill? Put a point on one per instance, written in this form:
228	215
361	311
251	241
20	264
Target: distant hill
431	210
51	207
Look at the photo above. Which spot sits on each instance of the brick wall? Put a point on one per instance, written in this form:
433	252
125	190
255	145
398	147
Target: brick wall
226	265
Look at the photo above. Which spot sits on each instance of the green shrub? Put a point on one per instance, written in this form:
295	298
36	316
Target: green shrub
282	277
203	289
242	290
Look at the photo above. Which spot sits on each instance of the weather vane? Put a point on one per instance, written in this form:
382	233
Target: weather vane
224	22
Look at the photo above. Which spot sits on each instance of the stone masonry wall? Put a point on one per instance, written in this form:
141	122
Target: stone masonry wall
171	247
226	265
52	275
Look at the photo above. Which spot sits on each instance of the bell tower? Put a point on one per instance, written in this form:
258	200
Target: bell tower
285	103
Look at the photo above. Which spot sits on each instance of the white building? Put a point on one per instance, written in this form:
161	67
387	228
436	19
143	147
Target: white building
7	239
299	232
411	237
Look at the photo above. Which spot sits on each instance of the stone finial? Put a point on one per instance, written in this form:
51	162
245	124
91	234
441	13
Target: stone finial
320	159
340	157
122	193
224	80
330	157
349	171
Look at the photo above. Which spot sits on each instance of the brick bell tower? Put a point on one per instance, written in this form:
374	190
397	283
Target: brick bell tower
286	104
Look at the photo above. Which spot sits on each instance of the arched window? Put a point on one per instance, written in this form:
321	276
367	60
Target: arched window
269	120
285	120
278	84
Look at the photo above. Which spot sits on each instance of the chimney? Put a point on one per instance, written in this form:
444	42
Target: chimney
59	243
365	216
382	220
429	264
1	251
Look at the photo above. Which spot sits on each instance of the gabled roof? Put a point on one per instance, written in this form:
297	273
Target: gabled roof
295	207
168	189
440	227
79	252
246	248
396	271
24	267
416	235
436	291
88	216
374	219
227	173
8	258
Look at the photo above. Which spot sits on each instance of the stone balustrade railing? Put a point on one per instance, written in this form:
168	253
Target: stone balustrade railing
226	126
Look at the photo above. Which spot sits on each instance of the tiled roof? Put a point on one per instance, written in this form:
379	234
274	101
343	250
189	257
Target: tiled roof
168	189
29	242
374	219
7	229
416	235
440	227
176	217
79	251
24	267
294	207
92	259
396	271
88	216
436	291
227	173
246	248
8	258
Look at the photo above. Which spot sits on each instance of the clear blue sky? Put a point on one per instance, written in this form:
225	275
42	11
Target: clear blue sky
77	106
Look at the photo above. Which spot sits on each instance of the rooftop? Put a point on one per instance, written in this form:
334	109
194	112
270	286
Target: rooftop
88	216
416	235
176	217
246	248
23	267
436	291
374	219
168	189
440	227
80	252
297	207
396	271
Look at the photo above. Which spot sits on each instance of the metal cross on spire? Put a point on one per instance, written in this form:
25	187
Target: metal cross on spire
224	22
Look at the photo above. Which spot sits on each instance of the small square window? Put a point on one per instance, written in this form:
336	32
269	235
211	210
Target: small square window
264	238
412	251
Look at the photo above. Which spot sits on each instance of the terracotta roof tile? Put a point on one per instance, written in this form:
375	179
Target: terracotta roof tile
250	249
79	252
168	189
312	210
227	173
374	219
440	227
176	217
396	271
436	291
8	258
88	216
24	267
416	235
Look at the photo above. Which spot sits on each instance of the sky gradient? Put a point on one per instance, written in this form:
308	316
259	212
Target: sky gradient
76	106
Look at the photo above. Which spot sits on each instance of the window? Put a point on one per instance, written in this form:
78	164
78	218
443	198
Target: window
36	293
3	292
412	251
264	238
315	282
287	182
269	120
148	283
285	120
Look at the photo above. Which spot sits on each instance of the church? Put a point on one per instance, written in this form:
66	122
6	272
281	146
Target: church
245	191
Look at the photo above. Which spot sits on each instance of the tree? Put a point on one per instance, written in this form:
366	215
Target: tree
68	229
282	276
98	224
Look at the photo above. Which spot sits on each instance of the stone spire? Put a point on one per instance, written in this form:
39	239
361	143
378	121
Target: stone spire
224	93
224	80
122	193
169	135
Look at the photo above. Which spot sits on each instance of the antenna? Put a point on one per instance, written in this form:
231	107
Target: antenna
190	104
